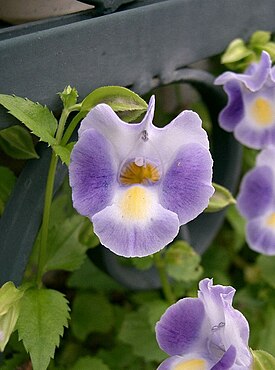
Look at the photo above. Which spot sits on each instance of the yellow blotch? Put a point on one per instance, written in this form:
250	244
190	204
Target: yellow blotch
135	203
271	220
262	112
134	174
197	364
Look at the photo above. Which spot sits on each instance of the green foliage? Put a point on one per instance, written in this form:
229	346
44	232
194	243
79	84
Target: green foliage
43	315
37	118
91	313
87	236
266	265
64	152
143	263
17	142
220	199
7	182
183	263
123	101
262	360
69	96
239	55
90	363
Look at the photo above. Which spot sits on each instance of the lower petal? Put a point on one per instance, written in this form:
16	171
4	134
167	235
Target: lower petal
254	137
186	187
183	363
135	225
260	234
179	330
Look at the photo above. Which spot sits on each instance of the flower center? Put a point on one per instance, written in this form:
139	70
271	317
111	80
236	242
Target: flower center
271	220
139	171
136	203
262	112
197	364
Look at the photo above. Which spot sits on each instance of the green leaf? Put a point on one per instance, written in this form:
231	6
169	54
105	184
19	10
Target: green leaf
143	263
17	142
123	101
270	48
137	332
43	315
262	360
220	199
236	51
237	223
259	38
37	118
87	236
91	313
267	268
267	332
65	252
182	262
69	96
88	362
7	182
64	152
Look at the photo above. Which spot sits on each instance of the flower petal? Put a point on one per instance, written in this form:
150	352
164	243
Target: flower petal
267	158
253	81
227	361
186	187
190	362
261	237
252	137
92	173
135	225
256	192
179	330
232	114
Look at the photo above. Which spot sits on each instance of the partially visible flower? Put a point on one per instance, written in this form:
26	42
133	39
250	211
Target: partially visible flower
138	183
250	111
9	311
205	333
256	202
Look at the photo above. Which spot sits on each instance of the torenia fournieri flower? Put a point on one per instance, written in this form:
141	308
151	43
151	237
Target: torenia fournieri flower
205	333
256	202
10	298
138	183
250	111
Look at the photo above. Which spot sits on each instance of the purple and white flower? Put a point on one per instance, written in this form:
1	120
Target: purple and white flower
256	202
205	333
250	111
138	183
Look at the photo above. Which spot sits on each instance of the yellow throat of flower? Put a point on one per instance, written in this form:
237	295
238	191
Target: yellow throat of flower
197	364
262	112
134	173
271	220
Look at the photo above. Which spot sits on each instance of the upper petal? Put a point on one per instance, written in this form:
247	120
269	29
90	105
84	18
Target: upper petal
253	79
92	173
179	330
186	186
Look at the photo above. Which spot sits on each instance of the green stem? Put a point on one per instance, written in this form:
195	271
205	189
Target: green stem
166	287
42	254
72	126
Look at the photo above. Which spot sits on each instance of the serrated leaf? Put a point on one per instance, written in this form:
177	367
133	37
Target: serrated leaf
64	152
124	101
17	142
37	118
236	51
89	362
259	38
7	182
65	252
91	313
262	360
137	332
182	262
43	315
220	199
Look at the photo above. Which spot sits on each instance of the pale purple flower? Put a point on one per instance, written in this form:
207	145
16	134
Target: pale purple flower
256	202
250	111
138	183
205	333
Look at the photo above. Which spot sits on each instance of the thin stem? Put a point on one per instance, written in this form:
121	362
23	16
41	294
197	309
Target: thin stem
72	126
166	287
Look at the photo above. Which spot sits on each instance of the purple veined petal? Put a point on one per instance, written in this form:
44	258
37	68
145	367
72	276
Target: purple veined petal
253	137
180	329
135	225
253	82
189	362
186	187
256	192
227	361
186	128
260	236
92	173
233	113
126	138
